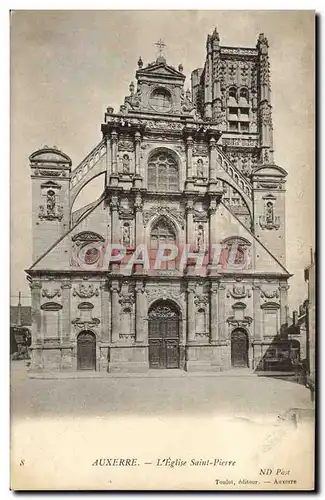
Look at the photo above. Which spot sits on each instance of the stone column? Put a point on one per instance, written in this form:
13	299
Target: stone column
191	312
114	138
258	325
283	304
66	311
114	170
35	287
222	312
213	234
212	160
190	224
116	309
141	314
108	158
214	332
189	185
115	221
104	304
139	228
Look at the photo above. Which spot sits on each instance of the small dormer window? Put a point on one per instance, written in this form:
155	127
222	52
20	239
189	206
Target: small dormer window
161	100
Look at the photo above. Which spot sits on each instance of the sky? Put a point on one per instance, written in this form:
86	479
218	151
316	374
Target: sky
67	67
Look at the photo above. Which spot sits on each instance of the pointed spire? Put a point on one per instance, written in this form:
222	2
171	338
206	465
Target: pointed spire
140	63
262	43
215	35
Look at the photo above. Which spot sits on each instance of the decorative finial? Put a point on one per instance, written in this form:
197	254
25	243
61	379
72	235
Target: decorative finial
131	88
262	40
215	35
160	44
180	68
140	63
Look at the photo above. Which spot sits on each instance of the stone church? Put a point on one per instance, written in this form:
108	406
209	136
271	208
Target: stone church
189	176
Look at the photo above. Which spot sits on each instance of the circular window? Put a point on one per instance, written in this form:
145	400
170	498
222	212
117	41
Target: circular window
91	255
161	100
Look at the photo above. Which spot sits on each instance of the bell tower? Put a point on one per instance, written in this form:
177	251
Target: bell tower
50	174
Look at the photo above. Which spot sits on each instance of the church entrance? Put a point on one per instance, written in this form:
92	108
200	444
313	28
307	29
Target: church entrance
239	348
86	351
163	335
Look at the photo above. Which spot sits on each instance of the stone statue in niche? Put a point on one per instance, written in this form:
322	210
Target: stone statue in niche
126	235
269	215
50	202
126	164
200	238
200	168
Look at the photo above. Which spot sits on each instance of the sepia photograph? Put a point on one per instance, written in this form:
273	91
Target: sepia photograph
163	264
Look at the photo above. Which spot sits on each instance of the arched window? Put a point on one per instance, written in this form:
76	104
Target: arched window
244	94
161	101
163	172
200	321
161	234
126	318
232	93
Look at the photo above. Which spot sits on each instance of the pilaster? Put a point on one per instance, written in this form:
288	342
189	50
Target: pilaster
214	332
141	313
222	312
116	311
66	310
104	303
191	288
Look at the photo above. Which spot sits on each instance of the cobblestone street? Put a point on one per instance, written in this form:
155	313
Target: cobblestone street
173	393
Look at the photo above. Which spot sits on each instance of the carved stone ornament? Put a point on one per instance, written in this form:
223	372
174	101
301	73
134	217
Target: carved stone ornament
270	295
85	291
126	146
201	300
238	292
164	211
51	210
50	173
126	299
126	336
164	125
200	216
200	150
80	323
50	295
239	323
163	293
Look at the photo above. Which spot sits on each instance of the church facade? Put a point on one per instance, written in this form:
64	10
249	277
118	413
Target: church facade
180	264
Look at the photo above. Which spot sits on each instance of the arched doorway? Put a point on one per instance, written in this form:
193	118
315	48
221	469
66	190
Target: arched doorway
163	335
239	348
86	351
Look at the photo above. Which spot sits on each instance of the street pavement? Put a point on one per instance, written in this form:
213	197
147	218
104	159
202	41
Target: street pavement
167	395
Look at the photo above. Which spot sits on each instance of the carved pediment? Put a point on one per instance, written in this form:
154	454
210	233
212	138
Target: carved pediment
160	69
270	171
87	236
49	155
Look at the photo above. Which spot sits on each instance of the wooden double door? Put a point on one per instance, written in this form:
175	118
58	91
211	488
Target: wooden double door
239	348
163	337
86	351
